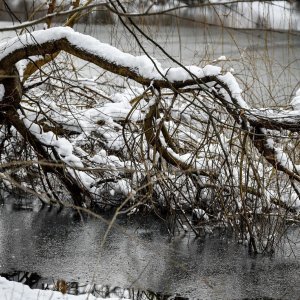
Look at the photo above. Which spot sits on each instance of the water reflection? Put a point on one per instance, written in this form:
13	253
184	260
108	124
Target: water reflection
139	254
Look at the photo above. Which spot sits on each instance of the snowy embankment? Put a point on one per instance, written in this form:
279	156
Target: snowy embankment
18	291
280	15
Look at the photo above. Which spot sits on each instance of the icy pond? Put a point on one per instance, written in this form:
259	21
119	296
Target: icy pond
139	253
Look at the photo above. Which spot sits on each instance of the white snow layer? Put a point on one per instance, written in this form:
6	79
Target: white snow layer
2	91
296	101
18	291
63	147
222	57
234	88
143	65
200	214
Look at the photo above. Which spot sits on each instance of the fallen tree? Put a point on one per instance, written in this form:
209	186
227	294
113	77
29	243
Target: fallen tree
178	139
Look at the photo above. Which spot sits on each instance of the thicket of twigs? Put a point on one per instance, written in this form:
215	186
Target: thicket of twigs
180	142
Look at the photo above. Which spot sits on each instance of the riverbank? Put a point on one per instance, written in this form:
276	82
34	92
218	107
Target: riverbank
18	291
277	15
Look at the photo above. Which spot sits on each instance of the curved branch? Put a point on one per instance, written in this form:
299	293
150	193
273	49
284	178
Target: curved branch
35	65
138	68
149	72
76	191
155	141
260	141
275	120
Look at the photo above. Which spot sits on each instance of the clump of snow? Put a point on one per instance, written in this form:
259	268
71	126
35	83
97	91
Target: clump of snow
234	88
63	147
179	74
270	143
2	91
295	201
103	159
22	64
86	179
296	101
123	186
127	94
200	214
222	58
18	291
210	70
283	159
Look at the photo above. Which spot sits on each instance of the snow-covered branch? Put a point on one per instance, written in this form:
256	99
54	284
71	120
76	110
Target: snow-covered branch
173	132
142	69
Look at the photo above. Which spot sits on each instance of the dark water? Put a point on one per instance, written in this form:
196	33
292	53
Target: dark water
140	254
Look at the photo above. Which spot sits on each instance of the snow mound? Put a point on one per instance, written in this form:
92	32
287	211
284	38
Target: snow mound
2	91
18	291
296	101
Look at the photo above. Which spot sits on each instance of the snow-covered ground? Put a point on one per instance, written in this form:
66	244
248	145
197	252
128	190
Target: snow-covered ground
280	15
10	290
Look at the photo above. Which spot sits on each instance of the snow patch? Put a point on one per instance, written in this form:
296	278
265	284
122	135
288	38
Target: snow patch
296	101
2	91
63	147
200	214
234	88
18	291
222	58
